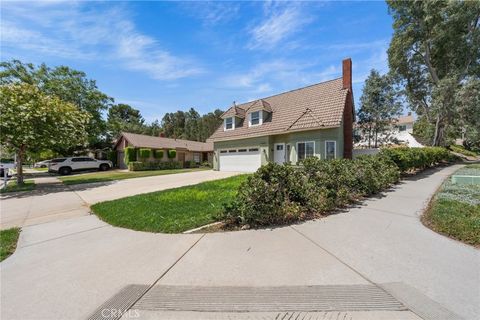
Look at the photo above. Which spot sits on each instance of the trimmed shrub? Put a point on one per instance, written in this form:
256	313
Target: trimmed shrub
154	165
191	164
144	153
409	159
112	156
280	194
158	154
171	154
206	164
130	155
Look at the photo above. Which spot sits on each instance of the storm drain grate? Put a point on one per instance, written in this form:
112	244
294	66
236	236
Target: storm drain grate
262	299
116	306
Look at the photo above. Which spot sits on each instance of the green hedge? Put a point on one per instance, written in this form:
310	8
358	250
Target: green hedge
112	156
154	165
158	154
462	150
145	153
130	155
191	164
279	194
171	154
408	159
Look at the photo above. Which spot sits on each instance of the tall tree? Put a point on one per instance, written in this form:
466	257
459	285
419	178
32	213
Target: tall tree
70	86
379	106
192	125
31	121
122	117
435	47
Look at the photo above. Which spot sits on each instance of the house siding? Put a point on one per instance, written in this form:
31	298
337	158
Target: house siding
263	143
266	144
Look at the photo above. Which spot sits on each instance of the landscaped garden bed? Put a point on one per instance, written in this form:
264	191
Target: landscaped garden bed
455	209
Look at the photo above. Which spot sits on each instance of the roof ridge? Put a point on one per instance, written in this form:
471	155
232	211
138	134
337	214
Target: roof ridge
174	139
278	94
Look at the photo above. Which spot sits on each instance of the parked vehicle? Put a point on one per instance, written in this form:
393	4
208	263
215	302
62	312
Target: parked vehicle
67	165
5	165
42	164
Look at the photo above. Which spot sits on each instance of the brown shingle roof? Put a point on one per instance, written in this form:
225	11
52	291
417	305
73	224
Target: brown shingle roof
234	111
141	140
317	106
405	119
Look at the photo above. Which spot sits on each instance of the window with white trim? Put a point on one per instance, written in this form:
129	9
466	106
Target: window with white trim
305	150
330	150
255	118
196	157
228	124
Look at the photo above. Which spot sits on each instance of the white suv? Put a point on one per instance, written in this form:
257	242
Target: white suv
65	166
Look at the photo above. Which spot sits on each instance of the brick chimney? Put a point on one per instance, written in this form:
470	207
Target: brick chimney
347	73
161	135
348	111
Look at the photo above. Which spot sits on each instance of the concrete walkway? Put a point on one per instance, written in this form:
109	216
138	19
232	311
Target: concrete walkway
69	268
54	201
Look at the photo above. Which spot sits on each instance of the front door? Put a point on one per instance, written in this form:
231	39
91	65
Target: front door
181	157
279	153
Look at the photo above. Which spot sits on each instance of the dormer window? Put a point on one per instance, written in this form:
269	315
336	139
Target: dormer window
229	124
255	118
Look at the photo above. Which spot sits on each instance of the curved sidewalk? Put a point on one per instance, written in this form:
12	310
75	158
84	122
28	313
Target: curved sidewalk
67	269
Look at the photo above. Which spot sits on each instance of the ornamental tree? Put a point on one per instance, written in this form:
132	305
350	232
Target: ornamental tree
31	121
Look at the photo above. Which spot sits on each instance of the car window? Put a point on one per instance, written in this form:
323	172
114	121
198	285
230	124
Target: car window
58	160
90	159
77	159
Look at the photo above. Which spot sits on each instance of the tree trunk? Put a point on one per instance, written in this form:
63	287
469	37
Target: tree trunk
20	156
436	136
376	138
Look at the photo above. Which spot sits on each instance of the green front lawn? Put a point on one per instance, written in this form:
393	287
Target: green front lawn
12	186
103	176
173	210
8	242
455	210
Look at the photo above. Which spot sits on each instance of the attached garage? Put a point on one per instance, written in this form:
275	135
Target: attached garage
242	159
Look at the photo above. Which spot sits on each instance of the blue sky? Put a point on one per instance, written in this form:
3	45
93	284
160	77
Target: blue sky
165	56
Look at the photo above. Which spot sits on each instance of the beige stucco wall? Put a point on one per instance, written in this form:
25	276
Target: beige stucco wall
267	143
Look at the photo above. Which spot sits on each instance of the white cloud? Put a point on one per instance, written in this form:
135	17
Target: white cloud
71	31
278	24
212	13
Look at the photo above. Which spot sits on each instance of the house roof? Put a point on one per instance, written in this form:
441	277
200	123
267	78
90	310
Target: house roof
141	140
314	107
234	111
405	119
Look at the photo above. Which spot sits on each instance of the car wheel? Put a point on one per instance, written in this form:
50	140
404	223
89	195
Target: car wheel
104	167
65	171
43	166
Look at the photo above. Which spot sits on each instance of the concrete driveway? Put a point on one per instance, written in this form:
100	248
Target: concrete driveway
55	201
376	261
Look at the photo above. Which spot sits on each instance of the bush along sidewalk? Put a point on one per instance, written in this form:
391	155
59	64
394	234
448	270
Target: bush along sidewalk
282	194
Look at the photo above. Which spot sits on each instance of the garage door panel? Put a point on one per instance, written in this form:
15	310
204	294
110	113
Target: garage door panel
240	161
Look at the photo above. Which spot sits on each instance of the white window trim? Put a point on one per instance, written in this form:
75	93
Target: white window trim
335	148
298	142
260	119
225	124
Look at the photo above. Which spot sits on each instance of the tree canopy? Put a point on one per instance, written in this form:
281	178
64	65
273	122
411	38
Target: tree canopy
31	121
67	84
435	52
379	106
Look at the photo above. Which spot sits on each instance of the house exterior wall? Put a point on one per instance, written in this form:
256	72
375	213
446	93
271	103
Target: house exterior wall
317	136
262	142
267	143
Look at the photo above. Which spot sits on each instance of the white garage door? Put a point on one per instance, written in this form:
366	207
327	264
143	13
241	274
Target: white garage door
243	159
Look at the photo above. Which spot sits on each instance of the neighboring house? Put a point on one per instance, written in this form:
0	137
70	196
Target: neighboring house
315	121
404	123
399	132
186	150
